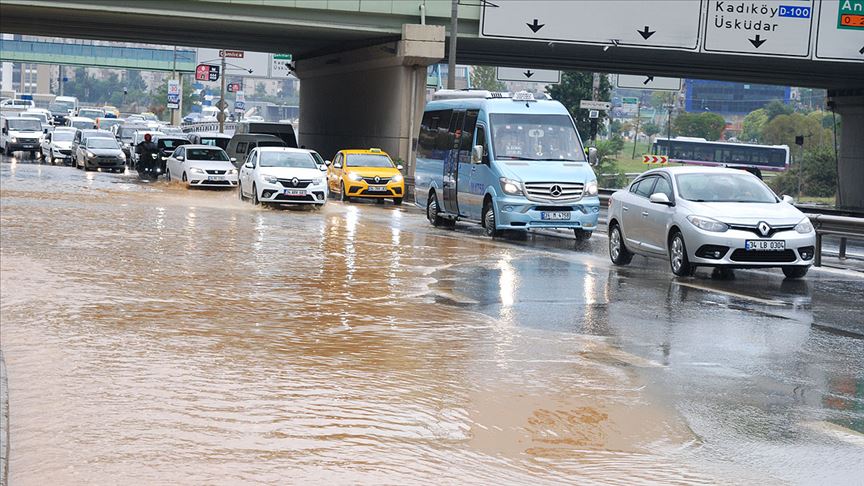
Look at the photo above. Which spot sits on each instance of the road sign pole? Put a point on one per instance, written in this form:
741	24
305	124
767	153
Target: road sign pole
221	117
595	94
636	135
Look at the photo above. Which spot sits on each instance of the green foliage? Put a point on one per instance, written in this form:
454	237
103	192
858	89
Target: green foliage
651	129
819	174
574	87
783	129
660	99
160	99
777	108
754	123
484	77
706	125
609	175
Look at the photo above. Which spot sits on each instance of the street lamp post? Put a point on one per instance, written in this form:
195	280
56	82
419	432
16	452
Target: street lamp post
221	115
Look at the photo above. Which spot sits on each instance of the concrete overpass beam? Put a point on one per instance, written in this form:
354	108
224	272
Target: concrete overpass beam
369	97
850	167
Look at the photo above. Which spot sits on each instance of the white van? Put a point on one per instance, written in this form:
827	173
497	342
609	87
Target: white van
20	134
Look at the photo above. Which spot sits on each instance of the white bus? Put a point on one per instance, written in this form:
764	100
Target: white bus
698	151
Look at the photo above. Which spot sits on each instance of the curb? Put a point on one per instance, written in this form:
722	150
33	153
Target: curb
4	423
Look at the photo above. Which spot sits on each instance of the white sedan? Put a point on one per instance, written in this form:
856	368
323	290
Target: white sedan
283	175
201	166
709	217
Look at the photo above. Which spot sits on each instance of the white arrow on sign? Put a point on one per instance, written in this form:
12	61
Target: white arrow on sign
547	76
768	28
672	24
837	38
648	81
594	105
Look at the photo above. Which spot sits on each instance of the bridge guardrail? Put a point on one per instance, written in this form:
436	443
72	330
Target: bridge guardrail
197	127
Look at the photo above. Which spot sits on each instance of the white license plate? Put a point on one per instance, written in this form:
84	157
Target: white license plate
294	192
377	189
215	178
555	215
765	245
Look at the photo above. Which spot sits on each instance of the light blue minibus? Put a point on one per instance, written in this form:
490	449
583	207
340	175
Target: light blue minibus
506	162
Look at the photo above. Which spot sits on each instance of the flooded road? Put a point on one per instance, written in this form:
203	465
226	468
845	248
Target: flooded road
155	335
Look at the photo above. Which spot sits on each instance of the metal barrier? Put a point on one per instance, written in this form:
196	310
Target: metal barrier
198	127
842	226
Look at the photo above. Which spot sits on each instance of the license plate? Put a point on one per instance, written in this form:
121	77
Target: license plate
765	245
294	192
28	145
215	178
555	215
377	189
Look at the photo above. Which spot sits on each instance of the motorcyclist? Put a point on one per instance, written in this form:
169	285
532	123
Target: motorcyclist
144	151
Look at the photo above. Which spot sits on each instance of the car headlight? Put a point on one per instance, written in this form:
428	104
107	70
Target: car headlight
90	154
353	176
231	171
196	170
122	156
270	179
510	186
591	188
14	140
397	178
804	227
707	224
318	181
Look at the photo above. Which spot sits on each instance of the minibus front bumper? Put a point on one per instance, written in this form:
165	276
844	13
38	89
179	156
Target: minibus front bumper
518	213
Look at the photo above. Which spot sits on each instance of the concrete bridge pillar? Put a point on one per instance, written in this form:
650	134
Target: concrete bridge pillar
369	97
850	167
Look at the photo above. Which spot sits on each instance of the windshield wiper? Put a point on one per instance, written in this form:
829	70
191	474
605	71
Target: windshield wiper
514	157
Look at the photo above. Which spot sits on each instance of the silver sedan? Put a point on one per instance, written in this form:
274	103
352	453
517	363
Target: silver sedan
709	217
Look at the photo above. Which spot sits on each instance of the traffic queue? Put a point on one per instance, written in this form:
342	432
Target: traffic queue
505	162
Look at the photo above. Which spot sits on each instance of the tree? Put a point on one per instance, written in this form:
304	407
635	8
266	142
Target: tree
651	129
783	129
485	77
574	87
819	177
777	108
753	125
160	99
705	125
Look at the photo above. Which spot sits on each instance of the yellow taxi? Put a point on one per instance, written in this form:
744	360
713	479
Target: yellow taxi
111	109
365	173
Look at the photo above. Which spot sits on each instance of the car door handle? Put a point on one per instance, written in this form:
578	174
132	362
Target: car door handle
644	214
625	208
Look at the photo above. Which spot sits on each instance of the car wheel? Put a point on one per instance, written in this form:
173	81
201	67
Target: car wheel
255	200
184	179
240	191
795	272
678	259
582	235
618	253
342	196
397	201
489	221
432	213
168	175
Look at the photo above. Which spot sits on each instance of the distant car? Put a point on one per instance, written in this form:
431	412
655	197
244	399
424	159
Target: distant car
111	110
201	166
174	131
108	123
282	175
80	139
148	116
20	134
242	144
16	104
214	139
134	117
125	134
102	153
44	116
366	174
58	145
711	217
167	144
81	123
93	113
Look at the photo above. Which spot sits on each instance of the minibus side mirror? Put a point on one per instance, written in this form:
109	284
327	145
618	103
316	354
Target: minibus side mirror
477	154
592	156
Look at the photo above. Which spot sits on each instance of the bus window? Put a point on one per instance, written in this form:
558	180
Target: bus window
467	136
428	133
481	140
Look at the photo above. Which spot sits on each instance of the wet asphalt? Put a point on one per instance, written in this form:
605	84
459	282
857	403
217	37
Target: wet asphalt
161	335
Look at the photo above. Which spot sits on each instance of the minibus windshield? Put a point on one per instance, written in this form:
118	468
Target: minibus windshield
535	137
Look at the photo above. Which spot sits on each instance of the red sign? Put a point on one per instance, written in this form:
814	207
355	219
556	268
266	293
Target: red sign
655	159
206	72
231	54
234	87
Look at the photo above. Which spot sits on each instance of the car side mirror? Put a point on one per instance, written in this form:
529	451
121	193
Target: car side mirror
660	198
181	158
593	159
322	167
327	162
337	165
788	199
233	159
5	131
248	165
477	154
400	167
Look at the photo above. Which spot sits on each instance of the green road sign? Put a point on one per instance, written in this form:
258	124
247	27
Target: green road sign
851	14
630	100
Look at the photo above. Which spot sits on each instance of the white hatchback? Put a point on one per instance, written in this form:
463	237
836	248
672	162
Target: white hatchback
283	175
201	166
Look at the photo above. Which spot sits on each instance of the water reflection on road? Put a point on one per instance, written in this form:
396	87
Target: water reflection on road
159	335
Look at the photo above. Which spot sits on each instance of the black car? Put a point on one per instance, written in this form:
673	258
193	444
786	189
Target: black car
167	144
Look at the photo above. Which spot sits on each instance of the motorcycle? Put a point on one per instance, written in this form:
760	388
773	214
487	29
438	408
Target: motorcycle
149	167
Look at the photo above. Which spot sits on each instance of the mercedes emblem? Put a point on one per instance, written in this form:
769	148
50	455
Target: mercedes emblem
555	190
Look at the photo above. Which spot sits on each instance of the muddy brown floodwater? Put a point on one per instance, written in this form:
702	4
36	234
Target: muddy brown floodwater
155	335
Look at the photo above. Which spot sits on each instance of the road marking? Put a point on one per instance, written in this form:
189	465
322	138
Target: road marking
733	294
837	431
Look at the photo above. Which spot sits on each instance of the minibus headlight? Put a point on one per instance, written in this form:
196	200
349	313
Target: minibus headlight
591	188
510	186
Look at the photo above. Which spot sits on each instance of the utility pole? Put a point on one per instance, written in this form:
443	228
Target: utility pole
221	115
595	94
61	81
636	135
451	60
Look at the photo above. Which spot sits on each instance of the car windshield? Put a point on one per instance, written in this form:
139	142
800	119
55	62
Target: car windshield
127	133
318	158
149	117
206	154
41	116
82	124
535	137
25	125
368	160
287	159
106	123
102	143
170	143
270	143
61	107
90	113
62	136
743	188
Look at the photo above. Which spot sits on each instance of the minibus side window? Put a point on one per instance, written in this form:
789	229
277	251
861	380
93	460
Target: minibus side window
467	136
442	135
428	133
481	140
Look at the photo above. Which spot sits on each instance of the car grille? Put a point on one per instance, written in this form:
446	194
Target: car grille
217	172
757	256
283	197
290	183
381	180
65	152
215	183
554	191
753	229
28	140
